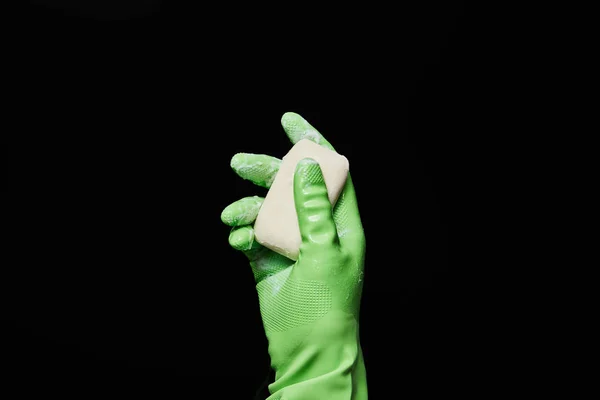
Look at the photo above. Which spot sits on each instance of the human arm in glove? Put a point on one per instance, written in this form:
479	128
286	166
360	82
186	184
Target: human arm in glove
309	307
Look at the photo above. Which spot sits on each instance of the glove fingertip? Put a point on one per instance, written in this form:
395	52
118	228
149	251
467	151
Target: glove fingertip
242	239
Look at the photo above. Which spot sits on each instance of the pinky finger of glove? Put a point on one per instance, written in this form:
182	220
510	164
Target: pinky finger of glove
242	238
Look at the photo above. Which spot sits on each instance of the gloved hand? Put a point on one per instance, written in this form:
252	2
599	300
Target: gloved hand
309	308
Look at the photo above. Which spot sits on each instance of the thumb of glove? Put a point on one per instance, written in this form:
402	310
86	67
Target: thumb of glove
314	210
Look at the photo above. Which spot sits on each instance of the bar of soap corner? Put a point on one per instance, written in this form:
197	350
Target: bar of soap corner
276	226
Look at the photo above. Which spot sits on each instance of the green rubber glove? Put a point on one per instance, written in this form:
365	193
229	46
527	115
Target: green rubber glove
309	308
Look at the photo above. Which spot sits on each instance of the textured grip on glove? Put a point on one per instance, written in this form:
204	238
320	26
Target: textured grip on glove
289	303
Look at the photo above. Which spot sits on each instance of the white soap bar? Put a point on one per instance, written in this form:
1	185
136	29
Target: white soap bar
276	226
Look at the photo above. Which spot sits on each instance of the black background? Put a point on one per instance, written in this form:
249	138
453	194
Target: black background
120	170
